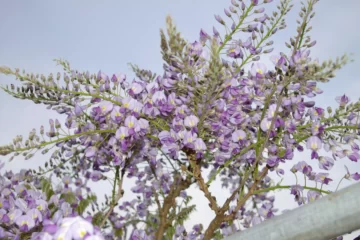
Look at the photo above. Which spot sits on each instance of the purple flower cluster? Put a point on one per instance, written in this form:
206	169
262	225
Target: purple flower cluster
162	131
27	210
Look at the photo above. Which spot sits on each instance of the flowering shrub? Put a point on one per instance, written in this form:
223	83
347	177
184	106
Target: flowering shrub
232	117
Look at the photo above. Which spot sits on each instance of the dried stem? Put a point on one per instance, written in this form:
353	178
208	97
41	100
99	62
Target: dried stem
203	187
221	217
178	185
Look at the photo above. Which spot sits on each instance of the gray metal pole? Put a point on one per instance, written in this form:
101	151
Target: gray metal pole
326	218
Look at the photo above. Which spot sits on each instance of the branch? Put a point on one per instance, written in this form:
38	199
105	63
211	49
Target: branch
243	200
204	187
169	201
116	200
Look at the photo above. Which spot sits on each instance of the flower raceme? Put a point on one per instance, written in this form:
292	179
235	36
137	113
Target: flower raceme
234	116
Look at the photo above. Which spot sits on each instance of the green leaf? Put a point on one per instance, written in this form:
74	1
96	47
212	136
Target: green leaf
97	218
118	232
218	235
184	214
170	232
47	188
83	204
68	197
282	152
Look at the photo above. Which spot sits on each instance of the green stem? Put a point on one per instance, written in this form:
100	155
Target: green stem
339	184
330	118
67	91
300	37
114	187
56	166
341	127
266	106
287	187
328	129
229	36
268	34
65	139
169	160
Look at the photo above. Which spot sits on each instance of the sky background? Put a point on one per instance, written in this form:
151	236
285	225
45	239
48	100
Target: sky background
107	35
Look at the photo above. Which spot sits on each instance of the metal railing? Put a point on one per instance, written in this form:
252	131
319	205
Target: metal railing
331	216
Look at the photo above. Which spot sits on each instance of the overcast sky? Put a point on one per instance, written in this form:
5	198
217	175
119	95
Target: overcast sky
106	35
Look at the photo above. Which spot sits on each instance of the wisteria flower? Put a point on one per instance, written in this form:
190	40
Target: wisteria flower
135	88
258	70
238	135
128	102
35	214
122	133
106	107
90	151
326	163
158	96
265	125
191	121
25	223
343	100
189	138
196	49
313	195
139	235
199	145
278	60
203	37
132	124
322	178
235	52
314	143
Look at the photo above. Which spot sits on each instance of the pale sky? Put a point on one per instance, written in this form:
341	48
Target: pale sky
106	35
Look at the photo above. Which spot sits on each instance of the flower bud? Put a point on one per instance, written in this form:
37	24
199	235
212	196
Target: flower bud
227	13
216	33
44	151
257	58
28	156
57	124
262	28
233	2
311	44
268	50
219	19
260	10
233	26
232	9
243	6
347	176
329	110
253	36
